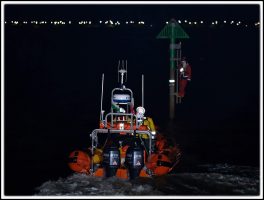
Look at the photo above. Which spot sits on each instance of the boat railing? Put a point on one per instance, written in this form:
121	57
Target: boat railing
112	115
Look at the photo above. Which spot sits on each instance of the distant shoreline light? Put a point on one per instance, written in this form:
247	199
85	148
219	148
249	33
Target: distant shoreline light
113	23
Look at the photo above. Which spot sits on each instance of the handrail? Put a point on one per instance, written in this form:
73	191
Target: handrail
120	114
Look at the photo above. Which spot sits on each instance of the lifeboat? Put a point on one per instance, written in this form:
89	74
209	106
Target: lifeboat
126	143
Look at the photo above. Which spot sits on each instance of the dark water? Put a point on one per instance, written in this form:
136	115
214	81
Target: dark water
213	168
52	92
219	179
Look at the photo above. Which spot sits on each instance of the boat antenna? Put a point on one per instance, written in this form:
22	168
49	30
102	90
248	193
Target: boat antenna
142	90
102	94
126	70
118	71
122	69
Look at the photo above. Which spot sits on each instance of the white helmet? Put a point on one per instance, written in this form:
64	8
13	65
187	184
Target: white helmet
184	64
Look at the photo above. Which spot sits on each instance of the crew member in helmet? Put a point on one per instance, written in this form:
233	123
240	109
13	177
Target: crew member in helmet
185	73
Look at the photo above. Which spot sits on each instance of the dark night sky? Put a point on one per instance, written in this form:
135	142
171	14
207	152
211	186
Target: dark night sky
155	13
52	82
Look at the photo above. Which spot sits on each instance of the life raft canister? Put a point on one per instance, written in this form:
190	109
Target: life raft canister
79	161
159	164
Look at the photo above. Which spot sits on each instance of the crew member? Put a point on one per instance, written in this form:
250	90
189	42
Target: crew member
184	76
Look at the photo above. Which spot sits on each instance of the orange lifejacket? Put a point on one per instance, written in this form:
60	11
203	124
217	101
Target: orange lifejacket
79	161
159	164
123	151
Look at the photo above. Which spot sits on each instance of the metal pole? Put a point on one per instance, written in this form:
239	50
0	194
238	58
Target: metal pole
173	30
178	72
142	90
176	81
178	60
172	72
102	94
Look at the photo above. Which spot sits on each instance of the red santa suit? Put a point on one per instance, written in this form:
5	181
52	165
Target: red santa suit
185	74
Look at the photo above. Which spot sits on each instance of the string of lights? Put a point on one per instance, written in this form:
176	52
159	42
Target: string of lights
128	22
